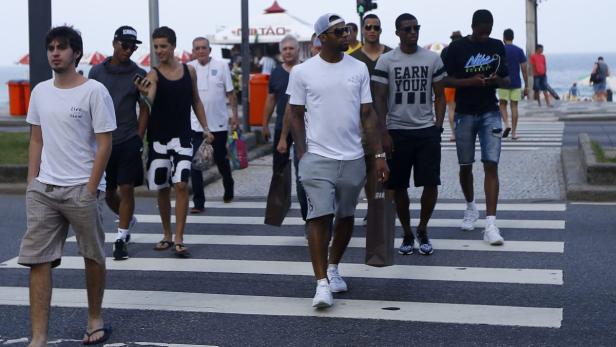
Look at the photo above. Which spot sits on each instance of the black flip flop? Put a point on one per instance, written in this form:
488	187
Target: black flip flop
165	245
184	253
506	132
106	334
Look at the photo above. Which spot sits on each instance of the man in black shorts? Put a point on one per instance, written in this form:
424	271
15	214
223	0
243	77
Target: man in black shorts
125	168
405	80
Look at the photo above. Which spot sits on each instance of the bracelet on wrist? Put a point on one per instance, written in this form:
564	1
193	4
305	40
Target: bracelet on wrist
380	155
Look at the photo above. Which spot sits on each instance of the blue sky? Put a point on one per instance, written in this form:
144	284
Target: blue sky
566	26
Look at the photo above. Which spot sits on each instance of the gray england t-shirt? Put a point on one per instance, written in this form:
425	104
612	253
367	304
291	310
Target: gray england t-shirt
410	78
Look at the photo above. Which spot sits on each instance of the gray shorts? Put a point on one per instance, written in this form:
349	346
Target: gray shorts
332	186
50	210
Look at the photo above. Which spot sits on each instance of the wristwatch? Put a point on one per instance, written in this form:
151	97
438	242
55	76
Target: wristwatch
380	155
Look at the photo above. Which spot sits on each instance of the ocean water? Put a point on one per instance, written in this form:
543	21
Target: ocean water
563	70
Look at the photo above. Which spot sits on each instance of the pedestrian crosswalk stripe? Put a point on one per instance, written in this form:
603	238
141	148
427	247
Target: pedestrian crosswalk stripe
502	206
434	222
512	143
543	317
356	242
294	268
506	149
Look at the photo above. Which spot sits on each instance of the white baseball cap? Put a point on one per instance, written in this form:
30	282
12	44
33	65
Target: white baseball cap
323	23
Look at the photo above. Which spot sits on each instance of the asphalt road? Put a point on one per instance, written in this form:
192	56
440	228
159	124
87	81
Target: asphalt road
452	304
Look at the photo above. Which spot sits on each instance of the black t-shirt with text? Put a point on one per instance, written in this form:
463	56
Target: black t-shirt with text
466	58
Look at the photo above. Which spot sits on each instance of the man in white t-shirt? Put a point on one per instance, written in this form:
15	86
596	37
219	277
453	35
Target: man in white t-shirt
335	88
70	143
215	86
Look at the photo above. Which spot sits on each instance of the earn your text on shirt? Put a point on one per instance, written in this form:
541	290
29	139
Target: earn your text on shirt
410	81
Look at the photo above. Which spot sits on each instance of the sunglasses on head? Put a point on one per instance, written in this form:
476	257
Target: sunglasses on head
372	27
128	45
410	28
338	32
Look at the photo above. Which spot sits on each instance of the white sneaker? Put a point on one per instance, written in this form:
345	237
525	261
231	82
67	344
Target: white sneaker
323	297
336	282
492	236
470	217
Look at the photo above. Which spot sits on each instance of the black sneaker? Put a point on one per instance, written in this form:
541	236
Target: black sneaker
425	246
406	248
120	250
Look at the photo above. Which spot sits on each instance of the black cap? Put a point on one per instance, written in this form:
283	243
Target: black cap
126	33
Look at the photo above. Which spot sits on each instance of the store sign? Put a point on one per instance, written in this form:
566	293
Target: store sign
264	31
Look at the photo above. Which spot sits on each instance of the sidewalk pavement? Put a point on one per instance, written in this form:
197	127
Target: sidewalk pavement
524	175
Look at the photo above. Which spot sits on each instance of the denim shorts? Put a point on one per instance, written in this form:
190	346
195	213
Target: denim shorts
489	128
540	83
599	87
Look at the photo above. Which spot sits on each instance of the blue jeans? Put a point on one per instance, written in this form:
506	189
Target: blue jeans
489	128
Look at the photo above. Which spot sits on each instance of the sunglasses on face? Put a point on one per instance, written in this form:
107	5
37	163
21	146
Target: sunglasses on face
128	45
410	28
372	27
338	32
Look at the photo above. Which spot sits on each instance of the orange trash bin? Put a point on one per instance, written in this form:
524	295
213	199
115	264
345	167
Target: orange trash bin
26	88
257	95
17	105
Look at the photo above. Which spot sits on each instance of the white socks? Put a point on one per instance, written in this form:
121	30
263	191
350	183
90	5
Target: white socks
471	205
332	267
490	220
122	234
322	281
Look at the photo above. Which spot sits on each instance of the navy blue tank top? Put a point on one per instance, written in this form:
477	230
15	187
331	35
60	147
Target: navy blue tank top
170	115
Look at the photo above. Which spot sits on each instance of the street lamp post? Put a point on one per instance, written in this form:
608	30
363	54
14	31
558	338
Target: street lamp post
531	35
245	64
154	17
39	22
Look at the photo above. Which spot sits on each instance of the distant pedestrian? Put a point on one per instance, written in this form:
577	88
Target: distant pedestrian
406	79
171	89
332	167
540	78
516	61
599	85
476	66
369	54
450	93
71	119
215	88
354	43
574	92
125	167
277	98
267	64
372	48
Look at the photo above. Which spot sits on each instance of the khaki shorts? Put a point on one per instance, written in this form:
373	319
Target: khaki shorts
509	94
50	210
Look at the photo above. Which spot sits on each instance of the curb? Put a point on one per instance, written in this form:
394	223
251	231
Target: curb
575	180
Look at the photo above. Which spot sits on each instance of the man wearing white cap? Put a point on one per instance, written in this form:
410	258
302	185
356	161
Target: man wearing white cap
335	88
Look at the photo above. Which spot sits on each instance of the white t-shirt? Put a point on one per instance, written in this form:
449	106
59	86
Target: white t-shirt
267	65
213	83
69	120
333	94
